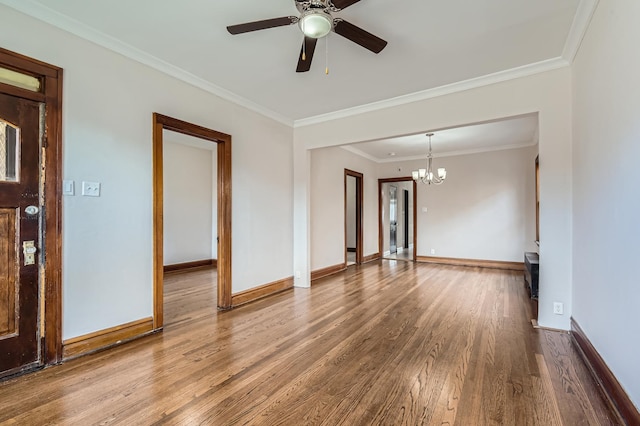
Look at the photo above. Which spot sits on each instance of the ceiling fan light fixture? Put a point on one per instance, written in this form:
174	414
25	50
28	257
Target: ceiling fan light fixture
316	23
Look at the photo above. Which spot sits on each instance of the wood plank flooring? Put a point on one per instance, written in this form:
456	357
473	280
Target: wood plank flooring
387	343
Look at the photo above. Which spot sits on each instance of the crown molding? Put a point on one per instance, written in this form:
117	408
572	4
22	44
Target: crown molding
360	153
70	25
581	21
438	155
461	86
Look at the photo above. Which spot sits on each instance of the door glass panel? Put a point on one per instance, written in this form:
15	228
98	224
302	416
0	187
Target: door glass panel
9	152
18	79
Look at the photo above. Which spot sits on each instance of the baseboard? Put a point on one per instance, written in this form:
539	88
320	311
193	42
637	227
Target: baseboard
329	270
618	400
495	264
98	340
534	324
261	291
176	267
371	257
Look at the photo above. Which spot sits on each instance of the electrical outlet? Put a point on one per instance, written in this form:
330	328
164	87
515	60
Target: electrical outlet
433	251
91	189
298	274
558	308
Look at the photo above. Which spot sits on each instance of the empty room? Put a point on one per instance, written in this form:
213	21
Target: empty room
319	212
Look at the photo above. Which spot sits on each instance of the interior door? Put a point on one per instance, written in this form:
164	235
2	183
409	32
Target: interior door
19	233
393	219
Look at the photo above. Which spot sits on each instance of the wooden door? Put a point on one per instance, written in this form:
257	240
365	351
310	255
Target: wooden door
19	233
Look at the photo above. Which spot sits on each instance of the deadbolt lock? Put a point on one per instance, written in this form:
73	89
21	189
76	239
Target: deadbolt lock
29	250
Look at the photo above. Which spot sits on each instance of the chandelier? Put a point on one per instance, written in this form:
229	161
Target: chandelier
426	175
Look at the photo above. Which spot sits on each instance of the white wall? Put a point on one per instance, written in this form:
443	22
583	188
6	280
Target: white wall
484	210
547	93
188	202
108	101
606	202
327	205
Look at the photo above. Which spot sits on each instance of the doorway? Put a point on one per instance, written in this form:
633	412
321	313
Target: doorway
397	218
30	214
162	123
405	218
189	223
353	198
393	219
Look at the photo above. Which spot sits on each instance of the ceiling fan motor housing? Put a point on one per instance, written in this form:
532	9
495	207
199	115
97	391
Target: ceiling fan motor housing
315	17
305	5
315	23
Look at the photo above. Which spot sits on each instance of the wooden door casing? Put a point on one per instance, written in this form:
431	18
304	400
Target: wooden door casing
49	95
359	201
393	219
414	213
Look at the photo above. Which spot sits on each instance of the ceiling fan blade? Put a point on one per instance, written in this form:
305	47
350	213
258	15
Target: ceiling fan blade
342	4
359	36
262	25
308	47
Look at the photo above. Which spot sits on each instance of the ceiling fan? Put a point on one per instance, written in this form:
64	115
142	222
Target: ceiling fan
315	22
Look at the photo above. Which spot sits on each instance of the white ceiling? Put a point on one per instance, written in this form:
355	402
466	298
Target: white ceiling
434	46
431	43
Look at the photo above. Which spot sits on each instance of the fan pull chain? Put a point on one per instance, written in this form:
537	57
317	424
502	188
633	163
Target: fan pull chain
326	59
304	48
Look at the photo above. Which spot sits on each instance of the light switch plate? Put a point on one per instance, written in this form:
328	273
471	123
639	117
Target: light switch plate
68	187
91	189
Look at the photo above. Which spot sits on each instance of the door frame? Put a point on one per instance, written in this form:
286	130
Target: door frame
359	202
393	242
415	224
50	297
223	141
405	218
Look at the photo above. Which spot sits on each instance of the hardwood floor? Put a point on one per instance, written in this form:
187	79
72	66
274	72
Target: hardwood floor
386	343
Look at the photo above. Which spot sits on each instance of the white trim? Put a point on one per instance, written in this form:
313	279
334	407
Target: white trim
442	154
579	27
57	19
473	83
360	153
